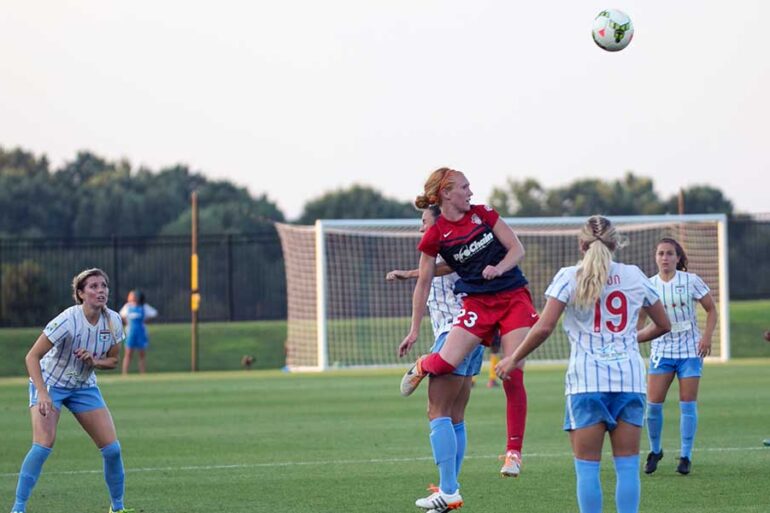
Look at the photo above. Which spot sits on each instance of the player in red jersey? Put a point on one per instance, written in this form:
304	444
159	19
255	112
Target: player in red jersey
484	252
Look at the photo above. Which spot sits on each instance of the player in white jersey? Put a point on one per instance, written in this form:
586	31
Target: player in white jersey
448	394
61	367
605	381
679	352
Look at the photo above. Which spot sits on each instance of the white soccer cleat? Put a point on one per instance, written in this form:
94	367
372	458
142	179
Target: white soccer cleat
412	378
511	465
440	502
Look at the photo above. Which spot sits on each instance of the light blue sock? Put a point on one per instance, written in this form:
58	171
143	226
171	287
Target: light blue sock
444	444
114	474
30	471
688	423
629	487
461	440
654	425
589	487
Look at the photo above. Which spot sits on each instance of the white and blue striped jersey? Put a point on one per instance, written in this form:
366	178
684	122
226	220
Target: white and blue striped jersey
443	304
679	297
604	353
69	331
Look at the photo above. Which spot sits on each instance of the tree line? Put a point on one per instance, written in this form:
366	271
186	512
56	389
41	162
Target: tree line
91	196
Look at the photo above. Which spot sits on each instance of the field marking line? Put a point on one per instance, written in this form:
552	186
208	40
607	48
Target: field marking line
277	464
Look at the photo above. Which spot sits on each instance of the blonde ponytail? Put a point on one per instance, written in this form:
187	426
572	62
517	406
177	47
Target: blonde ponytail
598	239
592	273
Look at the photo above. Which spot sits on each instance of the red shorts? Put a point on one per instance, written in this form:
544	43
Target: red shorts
483	314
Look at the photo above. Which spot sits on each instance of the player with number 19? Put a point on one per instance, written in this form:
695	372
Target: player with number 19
605	381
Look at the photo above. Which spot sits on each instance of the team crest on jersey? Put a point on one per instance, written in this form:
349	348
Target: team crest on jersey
51	328
680	289
475	219
104	336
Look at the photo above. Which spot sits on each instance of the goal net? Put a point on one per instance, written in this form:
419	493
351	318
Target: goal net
343	313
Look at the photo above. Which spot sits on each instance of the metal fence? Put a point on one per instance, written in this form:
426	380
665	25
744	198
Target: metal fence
241	276
749	247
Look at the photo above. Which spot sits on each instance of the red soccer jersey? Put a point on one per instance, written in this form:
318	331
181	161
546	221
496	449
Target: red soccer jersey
468	246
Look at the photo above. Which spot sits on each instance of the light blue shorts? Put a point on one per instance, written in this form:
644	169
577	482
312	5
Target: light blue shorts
77	400
584	410
470	366
684	367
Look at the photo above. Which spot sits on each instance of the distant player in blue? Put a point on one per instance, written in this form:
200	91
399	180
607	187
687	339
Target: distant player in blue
449	393
605	384
679	352
61	367
134	314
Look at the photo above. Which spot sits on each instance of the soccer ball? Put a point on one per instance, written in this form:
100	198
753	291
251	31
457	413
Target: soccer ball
612	30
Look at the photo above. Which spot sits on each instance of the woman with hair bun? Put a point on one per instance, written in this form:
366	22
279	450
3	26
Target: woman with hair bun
475	243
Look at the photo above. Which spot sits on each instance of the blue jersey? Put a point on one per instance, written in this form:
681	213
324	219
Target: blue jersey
135	316
468	246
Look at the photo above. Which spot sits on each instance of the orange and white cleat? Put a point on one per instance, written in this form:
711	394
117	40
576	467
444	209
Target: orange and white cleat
412	378
440	502
511	465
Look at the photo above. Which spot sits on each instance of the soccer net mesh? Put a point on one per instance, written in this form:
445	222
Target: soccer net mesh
343	313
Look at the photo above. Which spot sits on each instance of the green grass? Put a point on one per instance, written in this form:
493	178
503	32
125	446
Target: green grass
223	344
748	321
267	441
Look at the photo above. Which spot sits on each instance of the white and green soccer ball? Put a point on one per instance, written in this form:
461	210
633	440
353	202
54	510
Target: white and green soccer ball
612	30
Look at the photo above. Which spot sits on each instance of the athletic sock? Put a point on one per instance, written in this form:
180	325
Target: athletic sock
29	473
654	425
114	474
435	365
515	410
461	441
589	486
444	445
493	360
688	423
628	487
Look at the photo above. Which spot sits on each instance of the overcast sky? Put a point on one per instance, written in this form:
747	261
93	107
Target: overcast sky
294	98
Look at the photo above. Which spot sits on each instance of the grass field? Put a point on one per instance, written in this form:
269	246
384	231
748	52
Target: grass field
266	441
223	344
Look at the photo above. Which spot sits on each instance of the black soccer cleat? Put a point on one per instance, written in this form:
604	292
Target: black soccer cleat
684	466
652	462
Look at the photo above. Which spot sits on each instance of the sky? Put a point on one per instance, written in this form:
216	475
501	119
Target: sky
295	98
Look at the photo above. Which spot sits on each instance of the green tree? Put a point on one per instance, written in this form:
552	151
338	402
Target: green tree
525	198
94	197
231	217
701	199
25	293
29	202
628	196
356	202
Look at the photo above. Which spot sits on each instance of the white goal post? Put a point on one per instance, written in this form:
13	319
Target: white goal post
342	312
